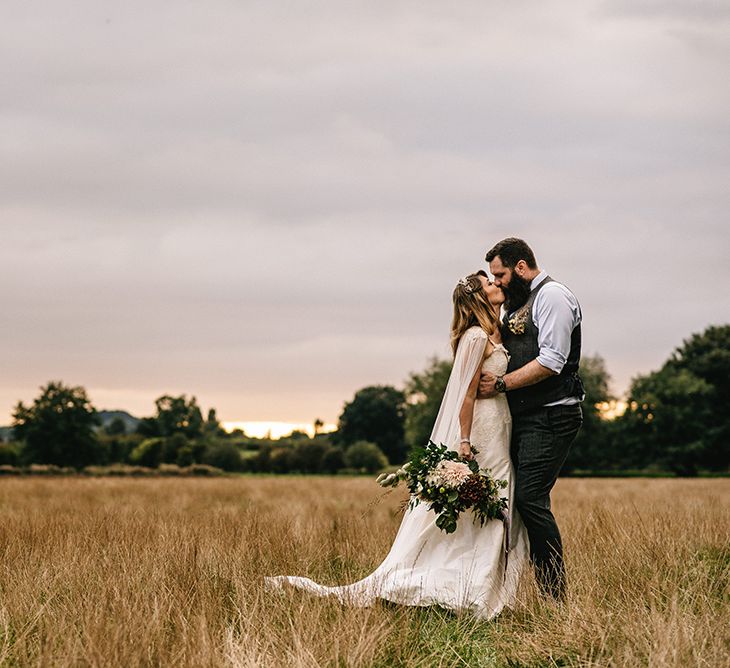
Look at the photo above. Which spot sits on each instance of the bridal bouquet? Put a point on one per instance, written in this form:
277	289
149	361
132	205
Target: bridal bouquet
436	475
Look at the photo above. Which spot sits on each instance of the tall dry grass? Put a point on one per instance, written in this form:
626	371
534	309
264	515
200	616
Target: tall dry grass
114	572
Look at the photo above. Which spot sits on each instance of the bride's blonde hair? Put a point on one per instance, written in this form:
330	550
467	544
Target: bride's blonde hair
471	307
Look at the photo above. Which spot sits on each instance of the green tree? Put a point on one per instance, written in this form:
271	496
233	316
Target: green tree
424	392
365	456
589	450
178	415
59	428
212	426
678	416
298	435
376	414
148	427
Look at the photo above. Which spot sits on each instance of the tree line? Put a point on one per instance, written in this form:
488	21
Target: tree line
676	421
62	428
676	418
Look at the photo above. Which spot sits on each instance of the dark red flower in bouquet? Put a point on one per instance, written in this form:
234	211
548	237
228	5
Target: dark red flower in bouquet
472	490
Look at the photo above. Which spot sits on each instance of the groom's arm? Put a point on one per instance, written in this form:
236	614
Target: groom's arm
533	372
555	316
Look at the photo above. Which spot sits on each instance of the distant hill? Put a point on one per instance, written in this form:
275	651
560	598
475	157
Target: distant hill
130	422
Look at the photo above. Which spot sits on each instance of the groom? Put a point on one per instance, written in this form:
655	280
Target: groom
542	332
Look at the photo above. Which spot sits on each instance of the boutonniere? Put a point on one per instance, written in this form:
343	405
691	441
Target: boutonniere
516	324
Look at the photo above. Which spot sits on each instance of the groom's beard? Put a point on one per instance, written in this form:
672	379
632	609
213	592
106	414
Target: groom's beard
516	293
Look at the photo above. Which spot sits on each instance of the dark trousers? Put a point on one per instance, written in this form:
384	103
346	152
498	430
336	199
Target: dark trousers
540	443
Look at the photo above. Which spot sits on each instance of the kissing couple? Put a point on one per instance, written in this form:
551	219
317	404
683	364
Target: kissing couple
512	403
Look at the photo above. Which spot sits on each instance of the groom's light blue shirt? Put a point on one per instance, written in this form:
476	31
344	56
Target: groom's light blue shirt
556	313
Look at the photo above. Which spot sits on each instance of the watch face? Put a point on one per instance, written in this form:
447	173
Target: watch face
499	385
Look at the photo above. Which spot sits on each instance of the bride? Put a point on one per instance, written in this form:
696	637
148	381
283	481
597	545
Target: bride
476	568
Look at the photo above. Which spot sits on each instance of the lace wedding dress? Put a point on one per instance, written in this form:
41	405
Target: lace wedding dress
468	569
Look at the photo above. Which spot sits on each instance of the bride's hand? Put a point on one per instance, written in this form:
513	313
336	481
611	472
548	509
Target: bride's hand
465	451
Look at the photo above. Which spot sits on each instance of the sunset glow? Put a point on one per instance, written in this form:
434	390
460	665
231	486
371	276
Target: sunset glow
610	410
275	429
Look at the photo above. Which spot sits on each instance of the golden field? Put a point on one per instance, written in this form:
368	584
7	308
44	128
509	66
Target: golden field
167	572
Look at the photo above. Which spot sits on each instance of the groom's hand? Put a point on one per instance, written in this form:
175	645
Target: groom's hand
486	386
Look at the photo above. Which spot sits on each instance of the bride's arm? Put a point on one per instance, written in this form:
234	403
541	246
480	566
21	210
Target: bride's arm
466	416
470	354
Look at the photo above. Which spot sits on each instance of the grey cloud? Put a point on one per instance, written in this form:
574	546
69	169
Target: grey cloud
269	205
678	10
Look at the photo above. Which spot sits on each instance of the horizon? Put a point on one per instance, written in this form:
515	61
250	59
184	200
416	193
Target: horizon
276	429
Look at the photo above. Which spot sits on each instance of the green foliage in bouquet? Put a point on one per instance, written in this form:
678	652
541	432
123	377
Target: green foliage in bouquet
450	484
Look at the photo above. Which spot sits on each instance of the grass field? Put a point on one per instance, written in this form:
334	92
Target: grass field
119	572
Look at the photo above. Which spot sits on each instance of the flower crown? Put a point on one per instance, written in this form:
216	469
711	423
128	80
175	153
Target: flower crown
468	286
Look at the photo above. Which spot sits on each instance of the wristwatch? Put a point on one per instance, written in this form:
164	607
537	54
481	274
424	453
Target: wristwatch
500	385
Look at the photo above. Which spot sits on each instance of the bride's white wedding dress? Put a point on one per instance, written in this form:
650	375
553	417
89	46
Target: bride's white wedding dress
468	569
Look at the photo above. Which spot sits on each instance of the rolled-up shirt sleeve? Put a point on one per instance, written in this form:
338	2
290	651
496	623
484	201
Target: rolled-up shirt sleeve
556	313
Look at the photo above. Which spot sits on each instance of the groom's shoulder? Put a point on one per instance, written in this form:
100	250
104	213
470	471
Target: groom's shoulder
554	293
556	286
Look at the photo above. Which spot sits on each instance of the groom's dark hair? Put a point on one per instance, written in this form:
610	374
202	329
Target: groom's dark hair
511	251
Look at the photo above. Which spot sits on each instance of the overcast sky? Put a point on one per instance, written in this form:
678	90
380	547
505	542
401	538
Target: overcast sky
267	204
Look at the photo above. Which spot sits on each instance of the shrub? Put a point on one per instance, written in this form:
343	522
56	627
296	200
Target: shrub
202	469
118	469
119	447
333	460
185	456
283	460
365	457
262	461
148	453
248	461
198	446
49	469
223	455
170	469
308	456
9	455
172	447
